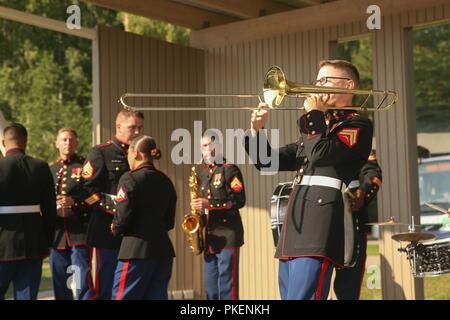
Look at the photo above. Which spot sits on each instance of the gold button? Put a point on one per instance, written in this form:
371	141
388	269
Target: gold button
310	123
117	168
107	207
64	179
101	203
64	185
211	205
63	192
305	160
218	205
203	188
224	204
209	197
114	210
301	170
65	167
313	132
308	115
319	201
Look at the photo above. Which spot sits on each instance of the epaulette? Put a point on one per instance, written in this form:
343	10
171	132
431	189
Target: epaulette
102	145
228	164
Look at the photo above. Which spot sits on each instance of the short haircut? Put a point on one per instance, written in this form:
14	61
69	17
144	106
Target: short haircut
146	145
348	67
15	132
130	113
72	131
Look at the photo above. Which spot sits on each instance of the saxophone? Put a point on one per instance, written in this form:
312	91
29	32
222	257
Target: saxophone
192	222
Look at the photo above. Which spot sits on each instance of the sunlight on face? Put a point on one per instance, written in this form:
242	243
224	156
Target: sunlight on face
336	99
66	143
129	128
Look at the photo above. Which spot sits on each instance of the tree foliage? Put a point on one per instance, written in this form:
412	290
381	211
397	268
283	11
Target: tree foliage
46	76
431	53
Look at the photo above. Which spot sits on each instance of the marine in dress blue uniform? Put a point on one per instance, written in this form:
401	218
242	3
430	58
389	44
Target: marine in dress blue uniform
222	195
104	166
146	213
348	281
27	216
329	153
70	256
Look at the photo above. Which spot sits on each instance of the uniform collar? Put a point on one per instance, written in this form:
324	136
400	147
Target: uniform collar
214	165
122	145
14	151
338	114
147	165
72	159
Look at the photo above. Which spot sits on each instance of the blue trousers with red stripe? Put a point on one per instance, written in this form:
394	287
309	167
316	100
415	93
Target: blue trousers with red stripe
145	279
221	274
348	281
305	278
67	264
106	264
25	276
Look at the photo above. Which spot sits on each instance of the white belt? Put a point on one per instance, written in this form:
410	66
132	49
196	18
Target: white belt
323	182
20	209
354	184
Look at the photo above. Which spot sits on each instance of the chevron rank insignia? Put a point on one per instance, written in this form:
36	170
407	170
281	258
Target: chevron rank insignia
349	136
236	184
92	199
88	170
121	195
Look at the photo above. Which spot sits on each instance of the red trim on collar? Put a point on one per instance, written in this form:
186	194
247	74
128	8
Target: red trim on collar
142	167
14	151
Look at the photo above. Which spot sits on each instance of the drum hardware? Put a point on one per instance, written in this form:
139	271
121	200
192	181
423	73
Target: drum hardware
437	208
412	235
427	257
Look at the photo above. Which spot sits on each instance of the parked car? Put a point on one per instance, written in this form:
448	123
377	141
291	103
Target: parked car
434	187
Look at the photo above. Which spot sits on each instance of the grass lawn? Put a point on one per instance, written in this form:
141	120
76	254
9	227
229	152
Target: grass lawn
436	288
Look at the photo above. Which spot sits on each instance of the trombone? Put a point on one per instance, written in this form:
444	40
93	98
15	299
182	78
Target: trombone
276	88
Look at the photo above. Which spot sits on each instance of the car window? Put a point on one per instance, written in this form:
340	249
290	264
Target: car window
434	182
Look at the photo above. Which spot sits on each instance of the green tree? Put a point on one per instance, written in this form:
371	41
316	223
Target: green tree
45	76
432	76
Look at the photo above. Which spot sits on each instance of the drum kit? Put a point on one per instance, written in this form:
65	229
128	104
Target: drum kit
428	254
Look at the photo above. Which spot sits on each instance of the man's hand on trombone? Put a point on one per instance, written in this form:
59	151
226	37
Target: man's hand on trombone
259	117
316	102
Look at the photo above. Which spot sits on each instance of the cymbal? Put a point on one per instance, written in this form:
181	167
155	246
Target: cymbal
413	236
385	223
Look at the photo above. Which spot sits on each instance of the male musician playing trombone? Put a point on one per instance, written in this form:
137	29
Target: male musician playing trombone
326	157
